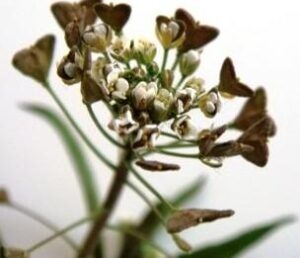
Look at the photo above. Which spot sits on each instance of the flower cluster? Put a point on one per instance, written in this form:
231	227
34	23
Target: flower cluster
146	97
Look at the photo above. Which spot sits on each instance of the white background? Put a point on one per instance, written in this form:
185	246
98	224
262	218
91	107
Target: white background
262	37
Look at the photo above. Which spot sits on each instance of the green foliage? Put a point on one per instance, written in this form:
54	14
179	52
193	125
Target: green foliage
234	246
75	151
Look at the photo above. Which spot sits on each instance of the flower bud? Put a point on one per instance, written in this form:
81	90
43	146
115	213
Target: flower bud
167	78
122	51
195	83
145	52
36	60
153	69
182	244
143	94
170	33
97	37
189	62
121	88
162	104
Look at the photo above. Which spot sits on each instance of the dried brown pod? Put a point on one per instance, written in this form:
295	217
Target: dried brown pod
73	32
115	16
229	83
153	165
66	12
229	149
4	197
197	35
90	90
185	219
257	136
36	60
254	110
207	139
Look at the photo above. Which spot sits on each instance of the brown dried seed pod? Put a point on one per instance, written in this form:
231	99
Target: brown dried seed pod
185	219
36	60
197	35
115	16
153	165
230	84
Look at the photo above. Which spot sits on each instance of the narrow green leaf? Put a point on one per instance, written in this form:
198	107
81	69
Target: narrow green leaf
75	151
234	246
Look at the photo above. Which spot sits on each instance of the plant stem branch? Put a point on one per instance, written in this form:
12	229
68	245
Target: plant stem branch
181	155
151	189
101	129
165	58
79	130
114	192
180	82
176	62
40	219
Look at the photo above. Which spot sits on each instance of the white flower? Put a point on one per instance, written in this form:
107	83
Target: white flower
171	29
210	103
121	89
189	62
125	124
185	99
143	94
146	137
184	127
97	37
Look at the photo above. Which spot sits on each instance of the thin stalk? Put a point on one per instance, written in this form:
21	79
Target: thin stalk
151	189
79	130
180	82
114	193
59	234
173	136
165	58
176	62
176	154
147	201
139	236
43	221
101	129
175	145
106	55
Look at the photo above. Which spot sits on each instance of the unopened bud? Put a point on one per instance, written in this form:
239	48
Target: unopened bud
189	62
152	165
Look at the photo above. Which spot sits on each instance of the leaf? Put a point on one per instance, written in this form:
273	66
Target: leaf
76	154
236	245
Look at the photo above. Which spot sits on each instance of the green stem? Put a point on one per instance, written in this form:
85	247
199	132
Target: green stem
136	234
109	204
59	234
173	136
148	202
101	129
79	130
165	58
176	62
40	219
175	145
181	155
150	188
180	82
106	55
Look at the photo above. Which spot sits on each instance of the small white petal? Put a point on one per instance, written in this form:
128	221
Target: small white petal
213	97
70	69
113	76
210	107
174	28
122	85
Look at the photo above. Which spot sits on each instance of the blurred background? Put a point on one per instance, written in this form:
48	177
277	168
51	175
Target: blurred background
262	38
